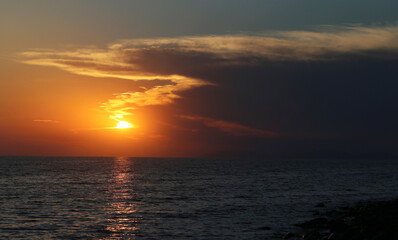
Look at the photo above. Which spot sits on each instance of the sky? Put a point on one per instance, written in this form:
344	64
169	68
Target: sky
221	78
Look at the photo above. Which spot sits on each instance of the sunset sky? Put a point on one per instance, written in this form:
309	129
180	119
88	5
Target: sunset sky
207	78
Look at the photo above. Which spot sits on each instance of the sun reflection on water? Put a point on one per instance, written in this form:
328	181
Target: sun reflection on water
123	218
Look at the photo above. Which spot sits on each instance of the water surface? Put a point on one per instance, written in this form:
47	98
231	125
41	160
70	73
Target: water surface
147	198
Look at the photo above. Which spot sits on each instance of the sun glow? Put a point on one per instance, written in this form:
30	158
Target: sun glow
123	124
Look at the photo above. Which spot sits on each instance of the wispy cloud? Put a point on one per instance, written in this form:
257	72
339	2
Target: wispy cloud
112	63
122	104
133	59
283	45
45	121
231	128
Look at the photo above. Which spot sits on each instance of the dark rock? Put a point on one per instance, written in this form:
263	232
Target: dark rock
331	236
319	205
289	235
316	213
337	226
264	228
312	236
315	223
372	221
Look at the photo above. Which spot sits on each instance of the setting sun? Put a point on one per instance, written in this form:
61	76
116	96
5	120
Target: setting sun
123	124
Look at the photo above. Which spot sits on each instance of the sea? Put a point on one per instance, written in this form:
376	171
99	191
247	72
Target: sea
179	198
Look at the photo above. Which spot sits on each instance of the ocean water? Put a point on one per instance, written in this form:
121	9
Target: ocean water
147	198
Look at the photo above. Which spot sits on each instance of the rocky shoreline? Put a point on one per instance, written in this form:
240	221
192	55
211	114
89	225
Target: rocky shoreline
364	221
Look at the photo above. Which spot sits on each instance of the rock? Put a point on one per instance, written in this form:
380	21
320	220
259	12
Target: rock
331	236
320	205
316	213
315	223
289	235
264	228
337	226
372	221
313	236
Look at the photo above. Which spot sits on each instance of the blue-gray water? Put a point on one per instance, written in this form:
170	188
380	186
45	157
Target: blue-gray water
131	198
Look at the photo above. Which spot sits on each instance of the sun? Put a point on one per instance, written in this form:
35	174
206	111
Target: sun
123	124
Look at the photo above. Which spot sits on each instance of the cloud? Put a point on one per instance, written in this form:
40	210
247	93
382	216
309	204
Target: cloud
99	63
231	128
125	58
45	121
158	95
287	45
167	59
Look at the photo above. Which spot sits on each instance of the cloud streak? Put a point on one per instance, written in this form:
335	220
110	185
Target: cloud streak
231	128
122	104
45	121
287	45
